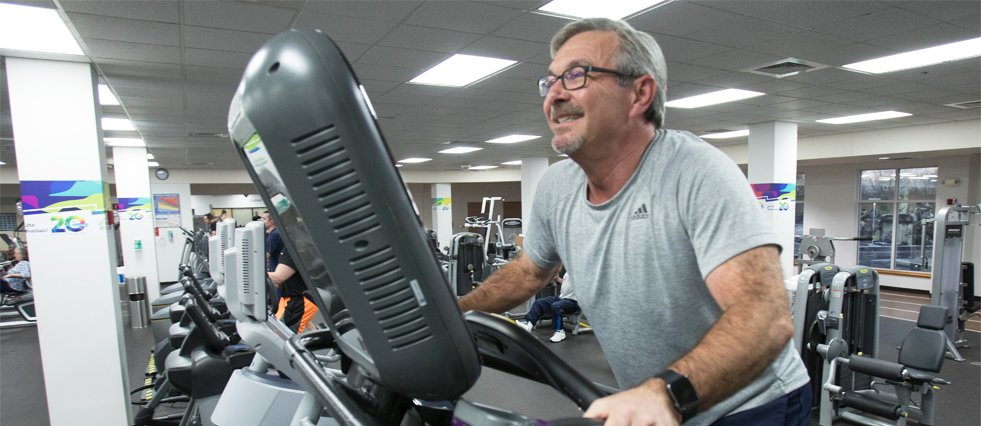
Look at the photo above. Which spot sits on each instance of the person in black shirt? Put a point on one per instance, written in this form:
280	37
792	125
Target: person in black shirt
294	309
274	242
211	222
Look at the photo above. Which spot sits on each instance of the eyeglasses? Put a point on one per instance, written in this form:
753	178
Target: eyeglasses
573	78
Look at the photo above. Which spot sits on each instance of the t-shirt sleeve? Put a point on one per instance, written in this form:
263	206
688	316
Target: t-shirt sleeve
286	259
719	209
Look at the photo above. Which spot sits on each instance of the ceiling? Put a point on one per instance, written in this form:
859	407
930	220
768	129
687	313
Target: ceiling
175	65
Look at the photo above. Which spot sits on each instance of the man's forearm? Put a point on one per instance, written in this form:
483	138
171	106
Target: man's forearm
506	288
749	335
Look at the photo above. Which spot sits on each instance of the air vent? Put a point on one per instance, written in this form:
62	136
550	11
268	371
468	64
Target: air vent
207	135
965	105
244	248
785	67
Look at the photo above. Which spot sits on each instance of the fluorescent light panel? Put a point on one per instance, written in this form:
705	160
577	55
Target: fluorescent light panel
919	58
149	156
713	98
460	150
461	70
125	142
106	97
109	123
512	163
885	115
597	9
482	167
513	139
35	29
727	135
152	164
414	160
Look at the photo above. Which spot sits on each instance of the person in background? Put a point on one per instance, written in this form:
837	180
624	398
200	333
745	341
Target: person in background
681	279
211	222
17	279
274	242
295	310
556	306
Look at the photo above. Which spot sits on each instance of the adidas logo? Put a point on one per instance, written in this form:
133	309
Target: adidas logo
641	213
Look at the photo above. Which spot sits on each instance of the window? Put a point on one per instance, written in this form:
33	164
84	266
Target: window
799	213
896	209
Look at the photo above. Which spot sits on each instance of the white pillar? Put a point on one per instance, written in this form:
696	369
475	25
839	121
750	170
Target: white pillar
443	213
61	166
773	174
136	216
532	170
169	197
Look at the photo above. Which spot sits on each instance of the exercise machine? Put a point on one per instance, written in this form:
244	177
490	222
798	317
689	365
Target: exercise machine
815	247
920	359
947	288
305	131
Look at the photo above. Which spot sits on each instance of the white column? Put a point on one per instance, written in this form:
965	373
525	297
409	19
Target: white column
136	216
61	164
773	174
532	170
170	241
443	213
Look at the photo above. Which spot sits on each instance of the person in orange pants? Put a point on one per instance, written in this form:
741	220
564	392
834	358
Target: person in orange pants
294	310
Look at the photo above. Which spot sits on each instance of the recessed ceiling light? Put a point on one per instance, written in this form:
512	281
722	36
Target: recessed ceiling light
461	70
399	165
513	139
596	9
35	29
512	163
460	150
884	158
482	167
919	58
713	98
149	156
885	115
563	155
2	163
152	164
727	135
106	97
109	123
137	142
414	160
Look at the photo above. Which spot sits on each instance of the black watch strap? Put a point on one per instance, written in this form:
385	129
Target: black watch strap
682	393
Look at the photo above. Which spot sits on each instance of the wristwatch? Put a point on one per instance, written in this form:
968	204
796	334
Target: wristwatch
682	393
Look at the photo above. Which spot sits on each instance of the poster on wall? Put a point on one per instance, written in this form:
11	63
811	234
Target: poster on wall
134	208
442	204
63	207
166	210
775	196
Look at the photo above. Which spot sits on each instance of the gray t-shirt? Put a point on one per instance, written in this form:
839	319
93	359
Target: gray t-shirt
641	258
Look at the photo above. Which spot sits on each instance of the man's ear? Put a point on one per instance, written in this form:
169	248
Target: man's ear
644	89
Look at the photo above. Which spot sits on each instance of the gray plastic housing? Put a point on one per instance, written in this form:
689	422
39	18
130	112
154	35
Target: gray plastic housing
306	133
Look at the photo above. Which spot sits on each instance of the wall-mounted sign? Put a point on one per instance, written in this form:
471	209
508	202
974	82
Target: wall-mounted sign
64	207
166	210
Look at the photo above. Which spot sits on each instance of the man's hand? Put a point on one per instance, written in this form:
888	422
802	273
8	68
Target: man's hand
644	405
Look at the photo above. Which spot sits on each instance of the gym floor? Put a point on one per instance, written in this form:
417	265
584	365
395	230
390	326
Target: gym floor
23	402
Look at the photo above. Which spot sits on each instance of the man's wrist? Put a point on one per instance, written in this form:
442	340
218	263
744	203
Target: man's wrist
680	392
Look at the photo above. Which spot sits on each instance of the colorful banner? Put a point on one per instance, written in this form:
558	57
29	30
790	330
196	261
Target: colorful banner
134	208
775	196
63	207
442	204
166	210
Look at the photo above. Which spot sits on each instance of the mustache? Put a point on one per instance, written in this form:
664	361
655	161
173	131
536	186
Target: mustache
564	109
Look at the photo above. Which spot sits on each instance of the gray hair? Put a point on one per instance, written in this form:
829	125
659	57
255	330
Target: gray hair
637	54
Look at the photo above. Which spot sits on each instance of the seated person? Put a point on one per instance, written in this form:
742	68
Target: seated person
563	304
15	280
294	309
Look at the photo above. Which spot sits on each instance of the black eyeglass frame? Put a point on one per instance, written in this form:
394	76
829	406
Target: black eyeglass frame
546	82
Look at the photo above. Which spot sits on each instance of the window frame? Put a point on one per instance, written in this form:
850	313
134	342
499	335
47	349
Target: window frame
894	203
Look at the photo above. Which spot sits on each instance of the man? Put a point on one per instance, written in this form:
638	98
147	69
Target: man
681	281
294	309
274	242
211	222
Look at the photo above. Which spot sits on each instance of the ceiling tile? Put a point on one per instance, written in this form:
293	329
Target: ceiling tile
801	14
506	48
128	30
216	58
219	39
395	11
743	32
133	51
160	11
415	59
463	16
424	38
353	30
533	27
680	18
876	24
237	16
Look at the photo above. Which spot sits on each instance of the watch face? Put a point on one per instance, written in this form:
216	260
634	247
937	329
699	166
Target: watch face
162	174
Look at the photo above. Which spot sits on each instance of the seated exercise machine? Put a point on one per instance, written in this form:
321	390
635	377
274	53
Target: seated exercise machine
921	356
306	133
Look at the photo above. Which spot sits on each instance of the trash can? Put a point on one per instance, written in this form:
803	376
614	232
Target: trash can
139	306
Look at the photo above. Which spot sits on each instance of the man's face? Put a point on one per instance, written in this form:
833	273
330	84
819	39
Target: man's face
577	117
267	221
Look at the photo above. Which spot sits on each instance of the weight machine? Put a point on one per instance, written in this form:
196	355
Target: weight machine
948	281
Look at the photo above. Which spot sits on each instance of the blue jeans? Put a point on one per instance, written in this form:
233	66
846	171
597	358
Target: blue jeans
554	306
793	408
